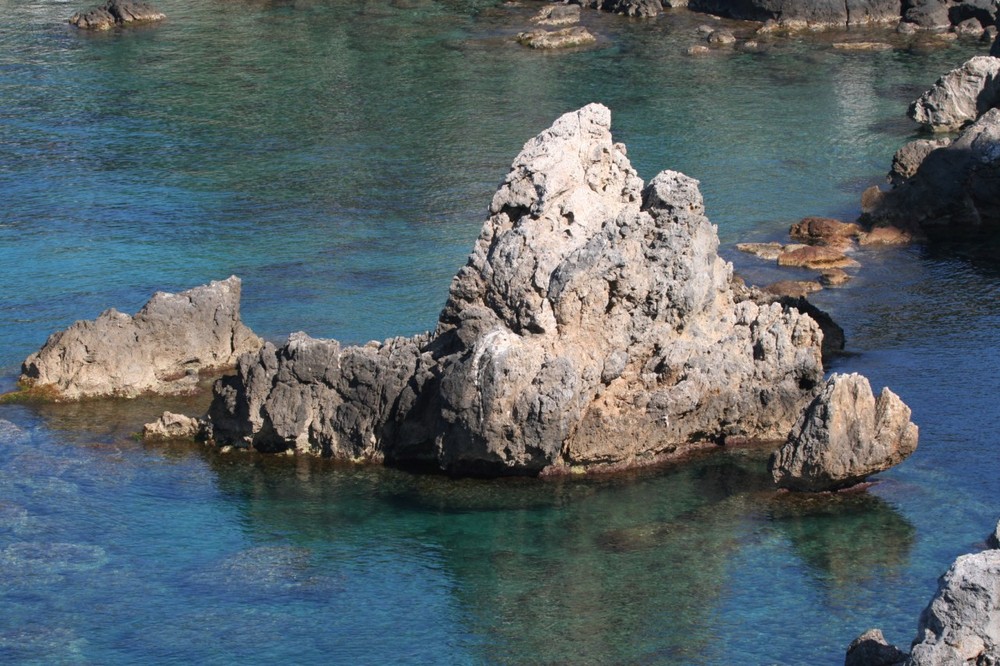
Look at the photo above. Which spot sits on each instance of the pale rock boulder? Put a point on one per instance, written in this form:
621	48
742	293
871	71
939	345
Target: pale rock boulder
162	349
844	436
961	625
593	326
174	426
960	96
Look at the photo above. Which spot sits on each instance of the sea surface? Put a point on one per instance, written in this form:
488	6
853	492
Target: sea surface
339	157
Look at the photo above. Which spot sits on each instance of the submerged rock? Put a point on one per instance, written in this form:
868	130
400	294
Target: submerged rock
114	13
960	96
594	326
162	349
844	436
557	15
174	426
556	39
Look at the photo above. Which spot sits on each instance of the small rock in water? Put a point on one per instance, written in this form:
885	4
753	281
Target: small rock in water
793	288
822	230
721	37
844	436
993	540
769	251
834	277
888	235
174	426
556	39
814	256
871	649
862	46
698	49
558	15
115	13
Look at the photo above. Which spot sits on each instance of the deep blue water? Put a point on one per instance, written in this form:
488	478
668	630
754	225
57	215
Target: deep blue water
339	157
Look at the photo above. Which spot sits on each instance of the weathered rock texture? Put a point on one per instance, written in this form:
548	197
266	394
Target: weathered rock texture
174	426
844	436
962	623
954	190
960	96
162	349
114	13
960	626
594	326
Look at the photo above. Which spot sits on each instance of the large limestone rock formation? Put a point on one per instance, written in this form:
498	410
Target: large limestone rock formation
162	349
960	96
593	326
116	13
844	436
960	626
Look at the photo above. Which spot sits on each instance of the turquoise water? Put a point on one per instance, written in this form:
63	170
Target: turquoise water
339	157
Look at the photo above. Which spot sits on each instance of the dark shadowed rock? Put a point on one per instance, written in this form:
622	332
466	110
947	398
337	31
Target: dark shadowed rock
162	349
908	159
871	649
955	189
642	8
927	14
800	14
115	13
593	326
844	436
993	540
960	96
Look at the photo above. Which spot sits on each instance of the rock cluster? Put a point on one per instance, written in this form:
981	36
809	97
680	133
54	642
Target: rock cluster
953	189
844	436
162	349
805	13
115	13
960	626
593	327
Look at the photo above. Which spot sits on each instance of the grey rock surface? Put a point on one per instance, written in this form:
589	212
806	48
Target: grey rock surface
594	326
844	436
116	13
639	8
563	38
962	623
908	159
162	349
960	96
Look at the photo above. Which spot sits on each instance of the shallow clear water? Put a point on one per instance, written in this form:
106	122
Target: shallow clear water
339	157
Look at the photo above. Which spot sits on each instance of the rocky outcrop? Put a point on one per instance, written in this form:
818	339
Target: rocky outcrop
959	627
556	15
162	349
993	540
955	190
805	14
960	96
844	436
116	13
962	623
594	327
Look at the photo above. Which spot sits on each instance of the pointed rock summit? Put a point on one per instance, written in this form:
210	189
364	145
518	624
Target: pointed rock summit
844	436
593	327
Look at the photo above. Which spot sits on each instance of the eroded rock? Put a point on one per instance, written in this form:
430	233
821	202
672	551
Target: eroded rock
557	14
162	349
594	326
960	96
175	426
844	436
556	39
871	649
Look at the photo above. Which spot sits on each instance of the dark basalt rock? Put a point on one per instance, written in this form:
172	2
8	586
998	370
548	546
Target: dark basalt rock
809	13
